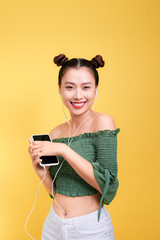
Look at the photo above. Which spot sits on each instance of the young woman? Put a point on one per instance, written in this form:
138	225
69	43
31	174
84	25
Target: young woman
86	146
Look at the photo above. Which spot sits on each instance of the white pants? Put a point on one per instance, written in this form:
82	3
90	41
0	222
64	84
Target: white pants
84	227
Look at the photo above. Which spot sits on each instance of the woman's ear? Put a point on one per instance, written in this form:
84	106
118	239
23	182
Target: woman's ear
60	91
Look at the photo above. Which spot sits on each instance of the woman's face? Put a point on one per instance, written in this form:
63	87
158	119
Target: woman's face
78	90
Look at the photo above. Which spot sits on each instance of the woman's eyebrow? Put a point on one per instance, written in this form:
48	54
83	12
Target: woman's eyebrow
69	83
87	83
74	83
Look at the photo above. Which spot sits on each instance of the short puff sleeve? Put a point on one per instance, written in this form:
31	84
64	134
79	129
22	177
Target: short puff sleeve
105	165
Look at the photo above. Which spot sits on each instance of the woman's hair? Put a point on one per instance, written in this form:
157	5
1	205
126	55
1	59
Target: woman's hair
62	60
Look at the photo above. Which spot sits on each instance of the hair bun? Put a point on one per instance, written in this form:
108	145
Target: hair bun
60	60
97	61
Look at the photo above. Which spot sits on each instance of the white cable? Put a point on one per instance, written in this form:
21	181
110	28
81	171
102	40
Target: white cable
64	111
34	203
69	142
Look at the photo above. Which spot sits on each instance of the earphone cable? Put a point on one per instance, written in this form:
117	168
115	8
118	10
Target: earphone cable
69	142
34	203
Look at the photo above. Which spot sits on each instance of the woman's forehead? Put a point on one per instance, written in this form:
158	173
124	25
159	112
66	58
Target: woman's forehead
82	74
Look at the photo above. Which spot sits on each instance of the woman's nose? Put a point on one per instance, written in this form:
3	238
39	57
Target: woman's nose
78	94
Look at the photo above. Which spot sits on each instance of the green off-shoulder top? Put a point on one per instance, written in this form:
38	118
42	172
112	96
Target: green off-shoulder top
100	149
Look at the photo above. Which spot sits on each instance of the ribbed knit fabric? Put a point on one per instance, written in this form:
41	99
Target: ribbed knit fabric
100	149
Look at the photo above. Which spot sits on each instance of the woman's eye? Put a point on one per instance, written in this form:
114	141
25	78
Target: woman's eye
69	87
86	87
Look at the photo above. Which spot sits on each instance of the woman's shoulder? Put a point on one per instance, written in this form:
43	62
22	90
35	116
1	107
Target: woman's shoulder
103	121
57	131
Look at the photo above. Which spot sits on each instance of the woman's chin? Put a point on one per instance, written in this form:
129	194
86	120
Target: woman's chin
79	111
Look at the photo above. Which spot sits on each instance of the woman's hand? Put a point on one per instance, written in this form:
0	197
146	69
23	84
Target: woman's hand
43	148
36	160
46	148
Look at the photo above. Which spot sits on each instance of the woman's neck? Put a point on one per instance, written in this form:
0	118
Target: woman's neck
76	120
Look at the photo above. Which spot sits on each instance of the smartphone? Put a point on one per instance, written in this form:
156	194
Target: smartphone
46	160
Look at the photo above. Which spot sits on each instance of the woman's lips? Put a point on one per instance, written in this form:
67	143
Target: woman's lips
78	104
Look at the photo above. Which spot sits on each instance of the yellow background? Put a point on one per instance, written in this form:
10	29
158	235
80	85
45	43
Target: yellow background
126	34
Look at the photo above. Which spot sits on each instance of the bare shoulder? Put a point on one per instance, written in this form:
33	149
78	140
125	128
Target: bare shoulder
57	132
104	121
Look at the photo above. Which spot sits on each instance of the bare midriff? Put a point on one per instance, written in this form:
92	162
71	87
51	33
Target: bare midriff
76	206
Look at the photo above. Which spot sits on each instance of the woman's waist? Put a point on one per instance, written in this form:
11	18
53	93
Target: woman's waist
76	206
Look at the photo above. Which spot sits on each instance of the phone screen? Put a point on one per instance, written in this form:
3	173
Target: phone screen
46	160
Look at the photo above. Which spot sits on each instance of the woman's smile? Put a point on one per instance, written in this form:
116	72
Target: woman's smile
78	104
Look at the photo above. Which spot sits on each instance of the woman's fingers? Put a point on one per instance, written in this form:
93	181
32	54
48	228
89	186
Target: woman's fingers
30	149
36	146
37	161
34	149
35	154
30	140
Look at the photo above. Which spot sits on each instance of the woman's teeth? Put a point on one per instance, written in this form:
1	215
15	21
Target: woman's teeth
78	104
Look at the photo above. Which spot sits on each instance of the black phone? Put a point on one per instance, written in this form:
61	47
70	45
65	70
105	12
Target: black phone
46	160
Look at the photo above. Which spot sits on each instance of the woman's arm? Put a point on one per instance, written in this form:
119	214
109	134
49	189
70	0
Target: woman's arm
83	167
47	182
